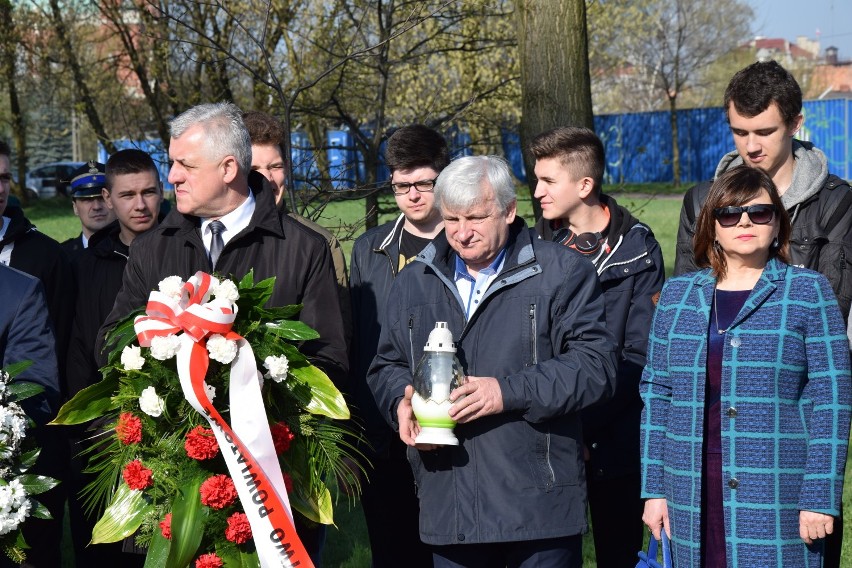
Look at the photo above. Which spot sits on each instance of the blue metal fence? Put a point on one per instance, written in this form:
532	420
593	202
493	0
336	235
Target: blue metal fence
152	147
638	146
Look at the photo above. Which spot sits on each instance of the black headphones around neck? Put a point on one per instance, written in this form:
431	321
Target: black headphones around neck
586	243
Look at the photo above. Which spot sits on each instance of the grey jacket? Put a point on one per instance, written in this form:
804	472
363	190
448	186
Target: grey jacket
539	329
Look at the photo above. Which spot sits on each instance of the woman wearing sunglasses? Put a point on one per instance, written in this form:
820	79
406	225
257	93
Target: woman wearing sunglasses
747	393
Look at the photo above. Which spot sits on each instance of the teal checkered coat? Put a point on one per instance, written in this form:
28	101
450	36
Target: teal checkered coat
786	397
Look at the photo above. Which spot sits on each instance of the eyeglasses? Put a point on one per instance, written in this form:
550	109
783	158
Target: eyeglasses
422	186
757	214
5	178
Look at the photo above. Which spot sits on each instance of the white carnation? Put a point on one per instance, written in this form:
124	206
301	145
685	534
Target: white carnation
171	287
211	391
221	349
226	290
131	358
163	348
23	511
18	493
277	366
150	403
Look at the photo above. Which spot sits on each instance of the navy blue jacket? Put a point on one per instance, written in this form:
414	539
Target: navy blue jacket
26	334
539	329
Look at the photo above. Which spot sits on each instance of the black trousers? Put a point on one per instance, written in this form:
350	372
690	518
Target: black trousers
565	552
617	527
392	512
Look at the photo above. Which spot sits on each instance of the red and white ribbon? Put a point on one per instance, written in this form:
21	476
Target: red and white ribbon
246	444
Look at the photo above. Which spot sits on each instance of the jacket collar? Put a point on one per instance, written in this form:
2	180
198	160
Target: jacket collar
519	250
393	237
775	271
18	224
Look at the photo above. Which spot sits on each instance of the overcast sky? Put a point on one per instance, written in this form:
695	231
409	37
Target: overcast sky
790	18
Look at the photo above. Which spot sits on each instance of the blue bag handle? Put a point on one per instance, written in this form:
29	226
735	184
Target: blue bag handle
649	559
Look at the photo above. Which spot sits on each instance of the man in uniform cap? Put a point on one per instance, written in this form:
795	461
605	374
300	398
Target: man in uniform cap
85	189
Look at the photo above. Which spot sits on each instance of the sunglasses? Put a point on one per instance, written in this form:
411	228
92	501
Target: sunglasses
757	214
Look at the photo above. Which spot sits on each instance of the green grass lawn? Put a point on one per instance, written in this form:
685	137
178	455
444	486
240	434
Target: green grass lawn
347	545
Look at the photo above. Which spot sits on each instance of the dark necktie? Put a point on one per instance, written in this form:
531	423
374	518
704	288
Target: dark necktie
216	242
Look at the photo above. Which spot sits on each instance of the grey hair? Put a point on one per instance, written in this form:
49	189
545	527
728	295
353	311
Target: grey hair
224	131
460	185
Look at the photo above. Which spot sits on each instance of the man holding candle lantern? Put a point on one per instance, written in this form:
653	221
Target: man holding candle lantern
528	320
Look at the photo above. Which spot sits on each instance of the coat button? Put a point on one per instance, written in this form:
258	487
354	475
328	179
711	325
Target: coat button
460	536
599	473
733	483
594	445
736	342
732	412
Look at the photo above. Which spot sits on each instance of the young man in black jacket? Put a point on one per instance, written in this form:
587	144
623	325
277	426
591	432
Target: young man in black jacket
569	166
763	103
132	191
415	156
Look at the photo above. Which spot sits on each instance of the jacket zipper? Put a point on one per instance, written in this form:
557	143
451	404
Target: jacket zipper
411	339
413	363
549	465
533	338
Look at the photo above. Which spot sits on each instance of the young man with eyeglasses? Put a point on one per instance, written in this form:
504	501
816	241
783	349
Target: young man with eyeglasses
569	167
415	156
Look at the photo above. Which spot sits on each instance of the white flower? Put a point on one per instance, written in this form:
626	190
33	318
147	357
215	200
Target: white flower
163	348
171	287
221	349
226	290
278	366
23	511
150	403
211	391
18	493
131	358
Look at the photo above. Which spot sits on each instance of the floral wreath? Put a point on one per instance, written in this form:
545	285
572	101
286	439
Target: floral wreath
214	483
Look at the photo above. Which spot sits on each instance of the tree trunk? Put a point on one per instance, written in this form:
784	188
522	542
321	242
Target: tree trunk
79	81
19	133
555	82
675	148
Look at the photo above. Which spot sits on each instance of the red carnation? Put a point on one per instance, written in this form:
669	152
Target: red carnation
129	429
281	437
137	476
209	560
218	492
201	443
239	529
288	482
166	526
